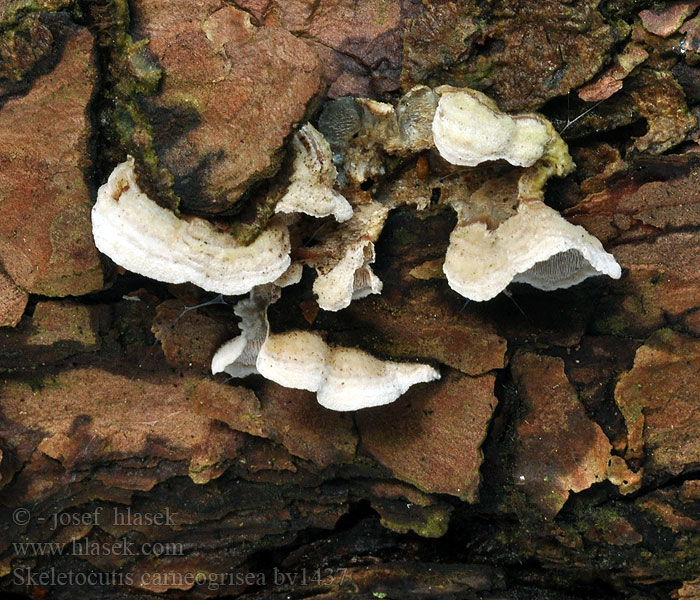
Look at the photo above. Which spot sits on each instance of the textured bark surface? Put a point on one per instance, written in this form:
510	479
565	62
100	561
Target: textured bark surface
557	457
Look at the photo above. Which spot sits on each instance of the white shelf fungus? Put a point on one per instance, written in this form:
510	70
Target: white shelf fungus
469	129
313	177
535	246
291	276
505	233
238	356
343	378
147	239
345	257
352	278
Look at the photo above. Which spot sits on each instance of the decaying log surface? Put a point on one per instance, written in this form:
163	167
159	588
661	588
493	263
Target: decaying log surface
557	457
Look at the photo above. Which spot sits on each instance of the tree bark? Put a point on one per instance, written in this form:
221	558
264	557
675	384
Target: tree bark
557	456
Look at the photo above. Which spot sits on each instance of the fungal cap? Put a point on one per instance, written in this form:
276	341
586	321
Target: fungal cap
536	246
313	178
343	378
469	129
226	359
291	276
352	278
415	112
355	380
294	360
344	271
149	240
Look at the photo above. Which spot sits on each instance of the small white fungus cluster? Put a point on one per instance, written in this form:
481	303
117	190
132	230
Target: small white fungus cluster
528	242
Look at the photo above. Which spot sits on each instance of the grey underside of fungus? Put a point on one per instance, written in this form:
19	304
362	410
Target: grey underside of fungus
494	168
536	245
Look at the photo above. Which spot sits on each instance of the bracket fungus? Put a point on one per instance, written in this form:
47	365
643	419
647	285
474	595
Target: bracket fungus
489	166
238	356
469	129
343	378
147	239
535	246
313	178
343	259
490	247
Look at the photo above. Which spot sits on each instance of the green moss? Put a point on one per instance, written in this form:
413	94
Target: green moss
606	517
382	12
621	9
428	522
434	526
246	233
76	283
21	48
634	315
129	72
403	237
474	76
614	325
24	38
65	324
132	324
13	12
661	337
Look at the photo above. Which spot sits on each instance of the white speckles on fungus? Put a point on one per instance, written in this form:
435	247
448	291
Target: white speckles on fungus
469	129
343	378
536	246
144	238
505	232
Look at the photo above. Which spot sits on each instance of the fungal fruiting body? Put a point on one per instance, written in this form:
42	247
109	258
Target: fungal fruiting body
343	266
504	232
469	129
343	378
238	356
145	238
415	112
350	279
535	246
361	132
311	186
464	126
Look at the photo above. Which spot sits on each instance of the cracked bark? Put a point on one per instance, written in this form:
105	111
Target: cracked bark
558	457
